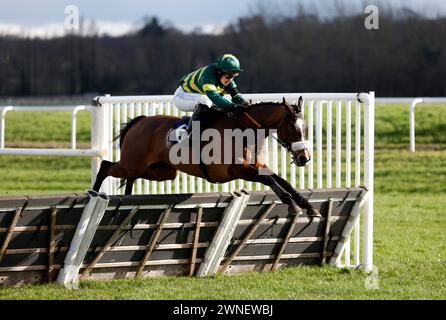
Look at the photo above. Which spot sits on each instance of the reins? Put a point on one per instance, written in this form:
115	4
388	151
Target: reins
259	126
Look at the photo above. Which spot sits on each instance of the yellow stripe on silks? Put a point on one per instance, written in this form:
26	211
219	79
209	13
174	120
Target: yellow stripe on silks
238	94
192	83
201	73
209	87
188	77
186	88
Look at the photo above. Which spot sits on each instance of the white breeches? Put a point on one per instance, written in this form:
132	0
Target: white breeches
187	101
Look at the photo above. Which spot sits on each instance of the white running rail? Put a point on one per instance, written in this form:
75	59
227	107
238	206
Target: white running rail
412	104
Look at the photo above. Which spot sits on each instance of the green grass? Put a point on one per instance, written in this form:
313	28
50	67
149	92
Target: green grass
409	229
29	129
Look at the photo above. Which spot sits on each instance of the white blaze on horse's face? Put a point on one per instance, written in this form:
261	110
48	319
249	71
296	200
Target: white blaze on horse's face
301	148
300	126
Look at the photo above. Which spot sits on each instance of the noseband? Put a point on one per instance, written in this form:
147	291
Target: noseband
294	147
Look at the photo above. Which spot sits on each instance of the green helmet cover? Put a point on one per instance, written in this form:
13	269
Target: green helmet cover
228	63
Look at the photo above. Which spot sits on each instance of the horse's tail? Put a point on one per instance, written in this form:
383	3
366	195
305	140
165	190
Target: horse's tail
125	127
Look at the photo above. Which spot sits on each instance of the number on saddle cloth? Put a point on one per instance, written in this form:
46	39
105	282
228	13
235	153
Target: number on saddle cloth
178	130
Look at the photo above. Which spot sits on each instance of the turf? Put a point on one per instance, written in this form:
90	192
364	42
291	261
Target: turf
409	229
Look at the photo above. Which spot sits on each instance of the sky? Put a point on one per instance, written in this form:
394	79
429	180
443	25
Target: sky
47	17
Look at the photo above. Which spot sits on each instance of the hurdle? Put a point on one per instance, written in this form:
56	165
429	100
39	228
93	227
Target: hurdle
187	226
58	237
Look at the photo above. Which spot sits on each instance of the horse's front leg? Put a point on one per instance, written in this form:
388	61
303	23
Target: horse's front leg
297	197
300	200
251	173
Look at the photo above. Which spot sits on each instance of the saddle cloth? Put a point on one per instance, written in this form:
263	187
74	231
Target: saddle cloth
177	132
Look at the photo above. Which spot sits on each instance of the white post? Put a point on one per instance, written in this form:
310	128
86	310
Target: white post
329	147
283	162
154	185
73	125
348	139
311	139
348	147
192	185
139	182
369	133
98	141
275	156
412	122
2	124
184	182
266	159
357	242
319	142
338	143
301	169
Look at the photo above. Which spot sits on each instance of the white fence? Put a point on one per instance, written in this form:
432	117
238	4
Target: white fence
341	129
412	104
73	109
335	164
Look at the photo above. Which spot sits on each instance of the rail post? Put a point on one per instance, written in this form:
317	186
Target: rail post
412	122
2	124
99	134
73	125
369	150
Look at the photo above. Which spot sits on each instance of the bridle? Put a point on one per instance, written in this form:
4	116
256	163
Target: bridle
292	148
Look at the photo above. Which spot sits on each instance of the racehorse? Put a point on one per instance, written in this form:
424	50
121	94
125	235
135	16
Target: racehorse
145	153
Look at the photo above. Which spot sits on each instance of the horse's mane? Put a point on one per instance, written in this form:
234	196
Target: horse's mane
271	103
261	103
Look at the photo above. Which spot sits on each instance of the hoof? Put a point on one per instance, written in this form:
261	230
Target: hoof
294	210
313	213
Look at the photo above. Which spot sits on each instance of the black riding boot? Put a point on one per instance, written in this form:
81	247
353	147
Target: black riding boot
199	110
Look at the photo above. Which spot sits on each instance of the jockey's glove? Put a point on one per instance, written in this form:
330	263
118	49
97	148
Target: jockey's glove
246	103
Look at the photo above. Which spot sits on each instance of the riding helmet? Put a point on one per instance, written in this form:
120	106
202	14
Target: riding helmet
228	63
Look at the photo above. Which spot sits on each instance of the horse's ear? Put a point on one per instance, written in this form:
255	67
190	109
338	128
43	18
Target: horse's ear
287	106
300	104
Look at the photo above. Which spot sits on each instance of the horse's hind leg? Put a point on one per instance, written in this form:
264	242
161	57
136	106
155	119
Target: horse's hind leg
107	169
129	185
102	174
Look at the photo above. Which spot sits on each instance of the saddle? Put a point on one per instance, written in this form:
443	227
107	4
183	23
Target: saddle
175	134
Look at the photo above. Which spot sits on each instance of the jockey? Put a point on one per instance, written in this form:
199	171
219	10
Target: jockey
206	87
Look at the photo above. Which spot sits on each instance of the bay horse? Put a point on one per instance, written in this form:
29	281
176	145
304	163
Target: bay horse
144	153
